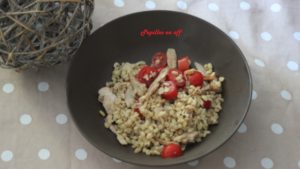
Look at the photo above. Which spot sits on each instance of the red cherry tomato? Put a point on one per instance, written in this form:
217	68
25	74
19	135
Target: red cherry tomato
207	104
137	110
195	78
171	151
177	77
169	90
159	60
184	63
146	75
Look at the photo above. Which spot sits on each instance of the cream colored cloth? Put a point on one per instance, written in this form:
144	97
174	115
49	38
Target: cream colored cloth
36	130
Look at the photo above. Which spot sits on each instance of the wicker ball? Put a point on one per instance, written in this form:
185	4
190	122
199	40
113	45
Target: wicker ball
35	33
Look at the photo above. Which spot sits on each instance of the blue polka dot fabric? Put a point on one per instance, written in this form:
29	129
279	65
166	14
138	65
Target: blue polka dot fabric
35	126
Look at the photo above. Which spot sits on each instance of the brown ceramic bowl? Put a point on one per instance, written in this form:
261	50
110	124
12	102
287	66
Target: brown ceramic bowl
120	41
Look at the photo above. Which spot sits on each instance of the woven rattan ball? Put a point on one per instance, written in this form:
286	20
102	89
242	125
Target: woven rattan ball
38	33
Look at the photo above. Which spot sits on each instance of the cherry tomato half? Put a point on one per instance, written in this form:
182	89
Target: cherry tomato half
207	104
171	150
146	75
159	60
177	77
169	90
195	78
184	63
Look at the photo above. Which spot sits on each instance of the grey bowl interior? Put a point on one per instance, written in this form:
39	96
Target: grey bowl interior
119	41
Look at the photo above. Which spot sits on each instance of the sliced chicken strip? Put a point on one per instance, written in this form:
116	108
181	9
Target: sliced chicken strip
207	76
171	58
155	84
107	98
200	68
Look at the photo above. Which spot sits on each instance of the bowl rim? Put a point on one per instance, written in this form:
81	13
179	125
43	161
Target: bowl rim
175	162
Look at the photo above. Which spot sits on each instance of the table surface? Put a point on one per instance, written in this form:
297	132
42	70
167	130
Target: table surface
36	130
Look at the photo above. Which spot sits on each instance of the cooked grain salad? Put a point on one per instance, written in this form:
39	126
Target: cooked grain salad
159	109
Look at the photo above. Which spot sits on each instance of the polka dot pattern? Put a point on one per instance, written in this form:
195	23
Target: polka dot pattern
297	36
277	128
150	4
81	154
259	62
267	163
245	5
44	154
61	119
8	88
292	65
213	7
182	5
275	7
43	86
119	3
243	128
25	119
229	162
254	95
234	35
286	95
7	155
266	36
